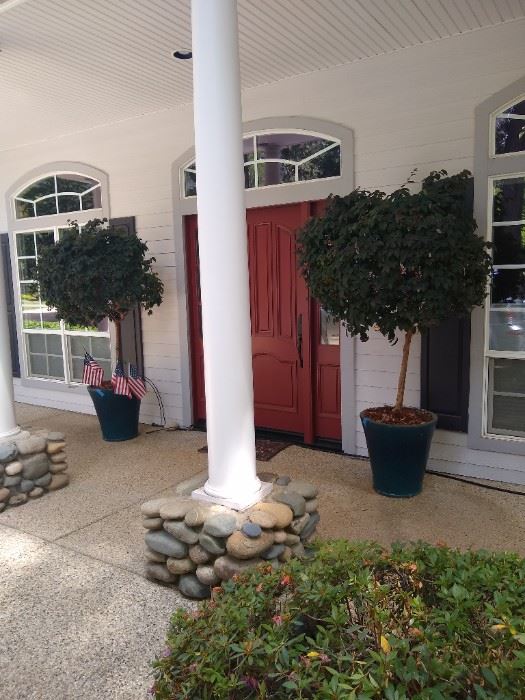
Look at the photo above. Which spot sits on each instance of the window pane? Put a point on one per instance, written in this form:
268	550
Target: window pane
508	287
329	329
27	269
294	147
67	203
328	164
46	207
507	396
509	199
38	365
74	183
24	210
92	200
509	245
249	176
190	184
39	188
272	173
44	238
100	348
55	366
247	149
54	344
29	297
25	244
36	342
507	328
31	320
510	132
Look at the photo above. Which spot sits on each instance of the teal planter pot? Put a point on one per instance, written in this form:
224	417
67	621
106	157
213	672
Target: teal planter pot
118	416
398	455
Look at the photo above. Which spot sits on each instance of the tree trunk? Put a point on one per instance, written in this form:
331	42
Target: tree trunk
403	372
118	340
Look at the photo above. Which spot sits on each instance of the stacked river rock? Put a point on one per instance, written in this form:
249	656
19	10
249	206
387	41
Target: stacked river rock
196	545
31	465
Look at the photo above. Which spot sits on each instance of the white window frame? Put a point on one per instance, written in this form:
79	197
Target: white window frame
48	223
488	167
336	143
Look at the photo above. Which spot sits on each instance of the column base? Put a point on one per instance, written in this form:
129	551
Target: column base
238	503
14	434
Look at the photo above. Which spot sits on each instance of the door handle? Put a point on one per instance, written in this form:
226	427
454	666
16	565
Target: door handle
300	339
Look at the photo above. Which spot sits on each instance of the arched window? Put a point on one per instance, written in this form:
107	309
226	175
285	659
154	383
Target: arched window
40	212
60	193
281	158
509	129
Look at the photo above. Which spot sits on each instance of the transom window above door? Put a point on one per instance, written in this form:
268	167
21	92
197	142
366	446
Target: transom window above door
509	129
280	158
60	193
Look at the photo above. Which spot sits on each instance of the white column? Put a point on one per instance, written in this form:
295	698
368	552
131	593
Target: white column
223	255
8	426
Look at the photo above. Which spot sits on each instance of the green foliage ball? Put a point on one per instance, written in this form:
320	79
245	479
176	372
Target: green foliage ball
402	260
96	273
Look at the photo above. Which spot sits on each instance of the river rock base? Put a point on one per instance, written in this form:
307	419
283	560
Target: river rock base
195	545
31	465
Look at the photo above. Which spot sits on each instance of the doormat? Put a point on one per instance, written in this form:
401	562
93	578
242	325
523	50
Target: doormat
264	449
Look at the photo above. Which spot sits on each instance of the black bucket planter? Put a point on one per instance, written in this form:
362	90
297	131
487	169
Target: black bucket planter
118	416
398	455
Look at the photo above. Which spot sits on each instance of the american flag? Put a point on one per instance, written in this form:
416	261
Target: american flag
136	384
119	381
93	373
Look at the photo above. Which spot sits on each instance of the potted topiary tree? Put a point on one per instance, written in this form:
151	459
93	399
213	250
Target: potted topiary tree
398	262
95	273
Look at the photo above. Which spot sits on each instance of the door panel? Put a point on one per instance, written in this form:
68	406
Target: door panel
296	378
275	306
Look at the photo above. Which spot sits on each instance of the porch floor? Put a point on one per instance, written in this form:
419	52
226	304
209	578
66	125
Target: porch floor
77	617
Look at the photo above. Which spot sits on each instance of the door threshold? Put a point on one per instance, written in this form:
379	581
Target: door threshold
320	444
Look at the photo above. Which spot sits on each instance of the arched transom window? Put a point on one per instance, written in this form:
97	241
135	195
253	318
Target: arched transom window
280	158
509	131
60	193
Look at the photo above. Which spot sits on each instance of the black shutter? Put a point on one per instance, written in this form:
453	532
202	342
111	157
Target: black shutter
445	364
5	256
132	351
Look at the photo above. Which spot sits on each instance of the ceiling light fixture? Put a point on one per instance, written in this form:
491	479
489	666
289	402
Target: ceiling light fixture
183	54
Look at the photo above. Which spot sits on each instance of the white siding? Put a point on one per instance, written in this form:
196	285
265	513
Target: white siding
413	108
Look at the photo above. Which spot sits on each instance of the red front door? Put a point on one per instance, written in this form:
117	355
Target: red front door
296	383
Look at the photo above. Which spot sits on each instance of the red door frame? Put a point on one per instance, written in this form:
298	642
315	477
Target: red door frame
322	413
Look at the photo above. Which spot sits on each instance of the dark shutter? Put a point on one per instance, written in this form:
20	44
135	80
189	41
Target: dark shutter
445	364
5	256
132	351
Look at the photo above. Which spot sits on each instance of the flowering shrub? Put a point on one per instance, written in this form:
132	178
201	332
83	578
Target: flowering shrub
357	622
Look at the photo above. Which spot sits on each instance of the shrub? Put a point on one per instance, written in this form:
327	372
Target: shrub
356	622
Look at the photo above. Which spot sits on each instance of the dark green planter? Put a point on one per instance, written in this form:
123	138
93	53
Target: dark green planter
118	416
398	455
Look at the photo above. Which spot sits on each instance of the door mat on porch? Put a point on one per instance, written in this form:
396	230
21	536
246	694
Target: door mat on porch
264	449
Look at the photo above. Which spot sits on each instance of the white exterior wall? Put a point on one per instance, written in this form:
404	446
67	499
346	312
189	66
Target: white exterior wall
413	108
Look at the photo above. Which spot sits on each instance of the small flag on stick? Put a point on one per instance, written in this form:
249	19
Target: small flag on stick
93	373
119	382
136	384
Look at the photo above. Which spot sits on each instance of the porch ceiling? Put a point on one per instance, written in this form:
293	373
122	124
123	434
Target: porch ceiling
69	65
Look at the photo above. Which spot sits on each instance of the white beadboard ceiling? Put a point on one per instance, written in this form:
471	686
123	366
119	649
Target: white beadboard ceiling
70	65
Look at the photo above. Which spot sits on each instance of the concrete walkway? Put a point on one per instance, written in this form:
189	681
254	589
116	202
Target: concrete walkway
77	618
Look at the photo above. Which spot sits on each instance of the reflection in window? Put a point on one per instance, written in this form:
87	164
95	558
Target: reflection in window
278	158
510	129
58	194
506	331
329	328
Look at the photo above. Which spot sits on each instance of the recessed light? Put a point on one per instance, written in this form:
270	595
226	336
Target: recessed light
183	54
